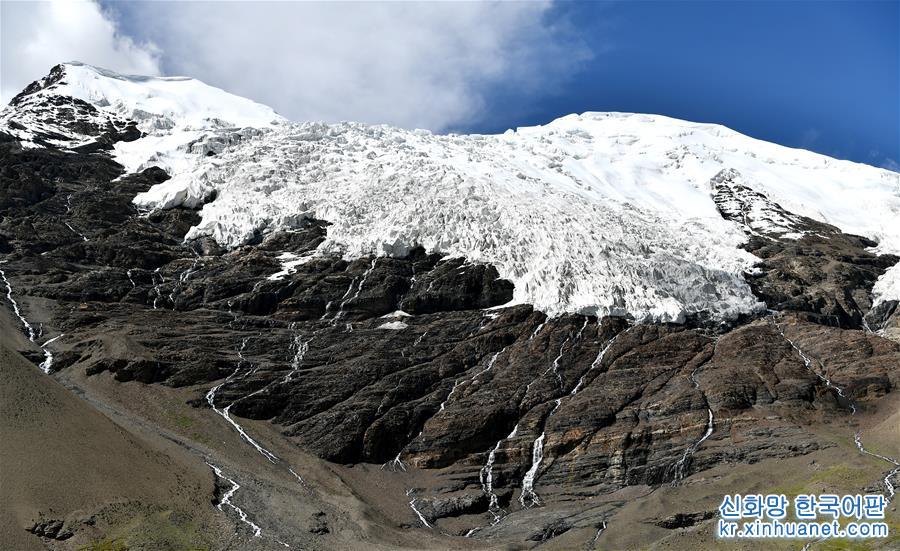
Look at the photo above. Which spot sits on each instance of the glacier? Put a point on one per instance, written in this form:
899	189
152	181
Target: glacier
595	213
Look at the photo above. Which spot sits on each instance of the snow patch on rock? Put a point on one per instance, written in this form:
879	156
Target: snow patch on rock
289	263
888	286
393	325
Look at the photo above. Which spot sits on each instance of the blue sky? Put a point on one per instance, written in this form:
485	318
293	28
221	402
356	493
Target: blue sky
822	75
817	75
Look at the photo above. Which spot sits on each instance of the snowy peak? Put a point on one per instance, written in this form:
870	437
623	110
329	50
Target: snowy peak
601	213
44	116
56	74
79	106
163	102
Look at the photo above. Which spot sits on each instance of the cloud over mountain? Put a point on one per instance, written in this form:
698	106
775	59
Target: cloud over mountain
38	35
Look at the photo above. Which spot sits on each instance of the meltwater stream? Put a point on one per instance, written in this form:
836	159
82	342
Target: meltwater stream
537	456
226	500
299	348
396	464
183	278
225	413
68	225
683	463
354	288
29	330
47	364
857	437
600	530
537	450
486	477
412	505
156	285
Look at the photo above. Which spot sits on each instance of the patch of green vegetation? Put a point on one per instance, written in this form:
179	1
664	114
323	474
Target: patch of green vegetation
155	530
202	438
106	544
181	421
844	441
839	478
842	477
789	491
876	445
844	545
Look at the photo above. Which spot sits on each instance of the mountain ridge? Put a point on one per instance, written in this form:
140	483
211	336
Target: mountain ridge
341	399
580	214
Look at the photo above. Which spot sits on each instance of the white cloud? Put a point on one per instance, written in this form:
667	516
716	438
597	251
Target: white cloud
425	65
35	36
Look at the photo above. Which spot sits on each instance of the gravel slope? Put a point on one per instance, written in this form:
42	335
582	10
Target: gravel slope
62	458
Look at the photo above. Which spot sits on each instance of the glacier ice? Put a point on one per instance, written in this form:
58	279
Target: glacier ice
597	213
601	213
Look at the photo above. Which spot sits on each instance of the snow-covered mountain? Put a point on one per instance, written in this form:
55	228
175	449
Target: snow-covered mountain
606	213
199	297
172	113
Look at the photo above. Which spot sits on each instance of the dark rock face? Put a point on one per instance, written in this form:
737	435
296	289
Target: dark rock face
552	530
413	361
55	121
318	524
453	506
826	278
685	520
54	529
807	266
885	316
56	74
452	285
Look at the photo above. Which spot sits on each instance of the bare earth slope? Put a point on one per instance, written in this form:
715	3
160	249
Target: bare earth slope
62	460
